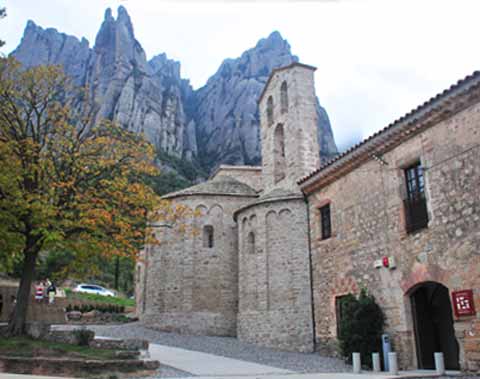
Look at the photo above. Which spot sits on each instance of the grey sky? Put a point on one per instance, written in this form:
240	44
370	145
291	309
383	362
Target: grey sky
376	59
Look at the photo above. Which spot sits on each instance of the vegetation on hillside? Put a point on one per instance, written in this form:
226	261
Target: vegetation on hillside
181	174
121	301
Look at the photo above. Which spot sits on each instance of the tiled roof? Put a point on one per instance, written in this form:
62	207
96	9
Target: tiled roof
223	185
234	168
422	111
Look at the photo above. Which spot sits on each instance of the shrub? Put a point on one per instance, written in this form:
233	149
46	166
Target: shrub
83	336
361	326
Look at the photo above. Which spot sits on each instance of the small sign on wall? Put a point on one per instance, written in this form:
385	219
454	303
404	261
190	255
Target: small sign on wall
463	304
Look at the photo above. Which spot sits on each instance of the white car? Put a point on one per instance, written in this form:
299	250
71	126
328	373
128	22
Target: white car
93	289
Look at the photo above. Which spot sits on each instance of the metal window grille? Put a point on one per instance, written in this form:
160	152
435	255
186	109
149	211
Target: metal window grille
326	221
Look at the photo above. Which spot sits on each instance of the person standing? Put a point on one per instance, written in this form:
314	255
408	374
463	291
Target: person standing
51	291
39	292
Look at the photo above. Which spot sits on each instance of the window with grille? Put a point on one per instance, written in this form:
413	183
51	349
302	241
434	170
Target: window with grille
325	222
416	214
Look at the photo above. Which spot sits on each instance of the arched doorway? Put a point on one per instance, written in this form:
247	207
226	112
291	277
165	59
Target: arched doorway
433	323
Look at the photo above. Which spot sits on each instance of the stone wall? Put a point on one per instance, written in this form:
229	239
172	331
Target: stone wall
53	313
368	222
274	276
190	287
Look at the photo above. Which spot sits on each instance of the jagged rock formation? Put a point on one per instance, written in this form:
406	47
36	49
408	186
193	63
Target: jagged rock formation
216	124
226	107
143	96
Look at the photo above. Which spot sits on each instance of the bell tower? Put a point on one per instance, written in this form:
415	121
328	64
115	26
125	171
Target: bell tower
288	126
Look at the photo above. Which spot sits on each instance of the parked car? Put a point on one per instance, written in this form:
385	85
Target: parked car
94	289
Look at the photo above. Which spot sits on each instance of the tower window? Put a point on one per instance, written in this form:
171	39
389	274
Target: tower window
279	153
325	222
208	236
270	110
251	243
284	98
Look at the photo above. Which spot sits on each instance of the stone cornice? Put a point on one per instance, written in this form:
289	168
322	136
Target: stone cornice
266	201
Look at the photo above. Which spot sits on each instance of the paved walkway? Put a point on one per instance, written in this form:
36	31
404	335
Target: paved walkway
203	364
210	366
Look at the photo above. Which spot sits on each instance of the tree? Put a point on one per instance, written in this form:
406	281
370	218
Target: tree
3	13
67	183
361	326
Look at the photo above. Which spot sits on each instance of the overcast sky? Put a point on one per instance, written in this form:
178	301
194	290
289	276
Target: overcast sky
376	59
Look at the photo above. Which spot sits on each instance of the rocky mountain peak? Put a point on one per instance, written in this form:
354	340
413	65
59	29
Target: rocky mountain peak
116	33
48	46
216	124
108	15
258	62
162	64
274	41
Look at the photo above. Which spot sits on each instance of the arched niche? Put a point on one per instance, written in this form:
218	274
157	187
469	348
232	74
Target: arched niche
284	98
279	153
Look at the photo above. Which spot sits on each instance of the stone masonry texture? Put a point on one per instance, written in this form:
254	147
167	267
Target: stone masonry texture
190	287
368	223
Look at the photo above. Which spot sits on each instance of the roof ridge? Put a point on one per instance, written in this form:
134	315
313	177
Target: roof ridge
469	79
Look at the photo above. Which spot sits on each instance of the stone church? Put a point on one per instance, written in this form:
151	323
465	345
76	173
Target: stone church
277	246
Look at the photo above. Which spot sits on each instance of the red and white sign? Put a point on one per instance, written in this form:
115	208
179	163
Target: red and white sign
463	304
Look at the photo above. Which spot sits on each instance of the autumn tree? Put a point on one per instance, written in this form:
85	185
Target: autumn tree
67	182
3	13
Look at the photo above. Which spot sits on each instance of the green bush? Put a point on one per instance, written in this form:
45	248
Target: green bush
361	326
93	299
83	336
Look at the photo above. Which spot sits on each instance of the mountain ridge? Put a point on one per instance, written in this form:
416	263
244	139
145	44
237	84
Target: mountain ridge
214	124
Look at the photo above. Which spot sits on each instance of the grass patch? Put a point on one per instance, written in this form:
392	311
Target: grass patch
27	347
100	299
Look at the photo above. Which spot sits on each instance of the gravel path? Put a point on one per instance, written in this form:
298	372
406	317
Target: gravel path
227	347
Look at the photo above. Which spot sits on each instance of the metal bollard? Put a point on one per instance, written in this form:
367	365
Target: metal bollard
439	363
392	363
386	348
376	362
357	364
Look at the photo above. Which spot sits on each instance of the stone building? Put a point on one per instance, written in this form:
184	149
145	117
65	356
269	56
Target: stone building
277	246
407	197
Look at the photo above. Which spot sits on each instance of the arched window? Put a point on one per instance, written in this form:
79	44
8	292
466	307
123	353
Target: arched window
270	110
208	236
279	153
284	98
251	243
